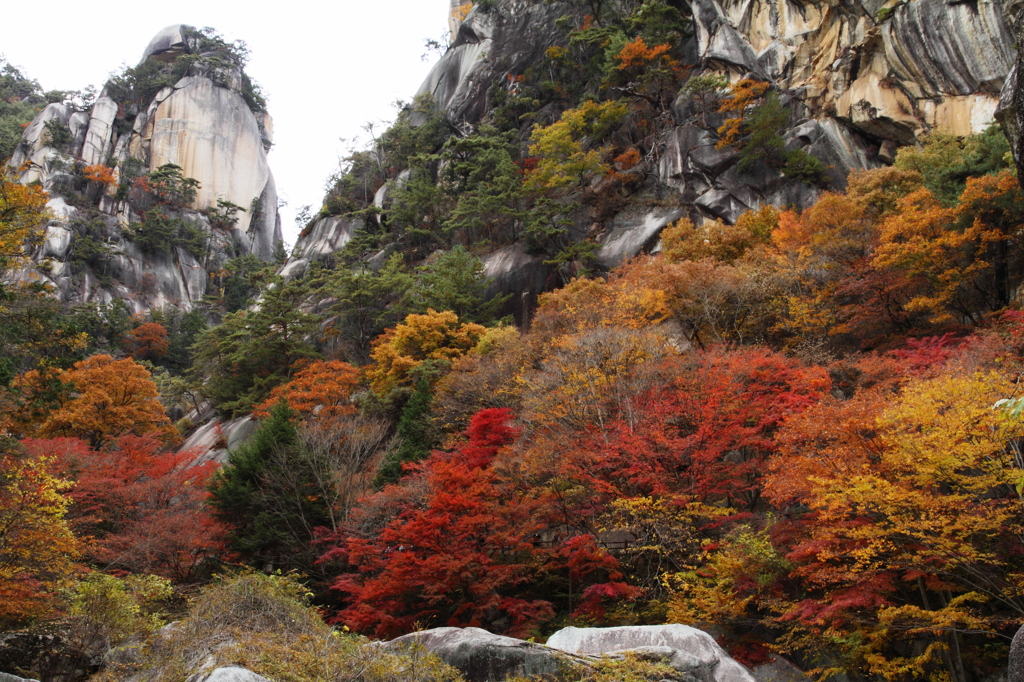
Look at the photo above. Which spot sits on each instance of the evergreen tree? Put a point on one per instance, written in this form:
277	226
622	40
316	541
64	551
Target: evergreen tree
268	497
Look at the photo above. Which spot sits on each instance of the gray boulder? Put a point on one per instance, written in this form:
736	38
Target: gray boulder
228	674
4	677
779	669
483	656
1015	670
684	638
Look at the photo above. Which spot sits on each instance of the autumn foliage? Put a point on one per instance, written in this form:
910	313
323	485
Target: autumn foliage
97	400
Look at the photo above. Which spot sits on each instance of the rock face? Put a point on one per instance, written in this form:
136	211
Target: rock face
697	644
229	674
859	80
485	657
203	125
1015	670
4	677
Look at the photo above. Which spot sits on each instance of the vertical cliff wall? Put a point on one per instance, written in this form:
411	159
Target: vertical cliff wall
201	123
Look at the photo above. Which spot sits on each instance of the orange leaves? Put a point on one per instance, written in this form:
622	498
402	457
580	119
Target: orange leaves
637	54
321	389
148	341
435	336
745	93
103	175
98	399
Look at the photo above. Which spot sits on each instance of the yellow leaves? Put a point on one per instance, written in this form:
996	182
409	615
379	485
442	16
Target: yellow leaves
460	13
745	93
36	545
943	434
559	147
22	214
401	349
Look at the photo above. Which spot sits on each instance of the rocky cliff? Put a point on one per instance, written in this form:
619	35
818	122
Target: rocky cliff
188	104
859	79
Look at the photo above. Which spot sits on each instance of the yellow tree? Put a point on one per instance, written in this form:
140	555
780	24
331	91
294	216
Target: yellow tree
22	213
917	547
37	549
406	346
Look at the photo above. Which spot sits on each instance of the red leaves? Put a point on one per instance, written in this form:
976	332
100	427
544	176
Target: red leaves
456	558
143	507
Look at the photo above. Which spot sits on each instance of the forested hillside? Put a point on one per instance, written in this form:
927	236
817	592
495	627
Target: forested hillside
611	326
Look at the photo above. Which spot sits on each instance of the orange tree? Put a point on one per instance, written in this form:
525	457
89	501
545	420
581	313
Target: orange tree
97	400
320	389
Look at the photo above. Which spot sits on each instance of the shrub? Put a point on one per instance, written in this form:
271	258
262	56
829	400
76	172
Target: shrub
265	623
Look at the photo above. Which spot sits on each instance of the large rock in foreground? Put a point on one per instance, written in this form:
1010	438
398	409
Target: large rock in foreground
1015	671
696	643
485	657
481	656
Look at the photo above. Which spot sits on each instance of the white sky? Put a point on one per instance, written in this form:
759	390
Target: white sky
327	68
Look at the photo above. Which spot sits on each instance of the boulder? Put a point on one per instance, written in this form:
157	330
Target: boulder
228	674
6	677
778	669
168	43
482	656
1015	669
691	641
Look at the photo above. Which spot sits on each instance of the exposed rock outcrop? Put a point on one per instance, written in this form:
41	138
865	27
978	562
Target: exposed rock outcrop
696	644
1015	670
482	656
485	657
228	674
859	80
202	124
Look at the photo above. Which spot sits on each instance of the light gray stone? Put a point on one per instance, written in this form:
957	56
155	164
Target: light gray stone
691	641
630	233
228	674
98	142
485	657
1015	669
168	43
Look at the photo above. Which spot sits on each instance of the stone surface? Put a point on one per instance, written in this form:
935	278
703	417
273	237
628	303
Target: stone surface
683	638
1010	112
485	657
168	43
228	674
6	677
520	275
209	132
204	128
1015	669
630	233
779	669
217	437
